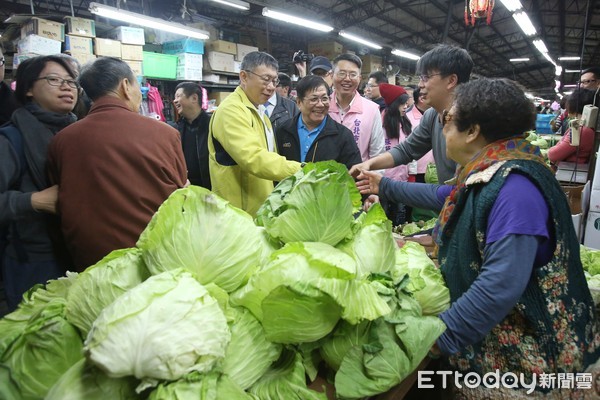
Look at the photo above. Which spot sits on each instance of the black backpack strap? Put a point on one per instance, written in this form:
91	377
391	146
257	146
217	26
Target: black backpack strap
12	134
14	137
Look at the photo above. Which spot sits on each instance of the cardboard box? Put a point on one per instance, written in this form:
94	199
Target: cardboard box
217	61
83	58
242	50
218	96
573	193
128	35
189	67
592	231
595	200
215	78
81	26
185	45
223	46
237	66
78	44
136	67
40	45
19	58
596	181
43	27
185	73
107	47
329	49
189	60
132	52
371	63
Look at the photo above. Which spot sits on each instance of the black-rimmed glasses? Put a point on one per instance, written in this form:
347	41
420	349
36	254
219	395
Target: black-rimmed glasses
56	81
426	77
265	78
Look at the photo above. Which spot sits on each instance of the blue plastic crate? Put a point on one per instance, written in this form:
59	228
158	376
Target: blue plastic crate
542	123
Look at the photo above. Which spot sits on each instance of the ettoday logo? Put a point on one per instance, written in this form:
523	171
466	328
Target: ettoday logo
509	380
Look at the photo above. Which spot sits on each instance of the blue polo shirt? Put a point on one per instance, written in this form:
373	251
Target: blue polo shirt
307	137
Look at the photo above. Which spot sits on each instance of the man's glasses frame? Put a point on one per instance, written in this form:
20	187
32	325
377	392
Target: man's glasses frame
266	79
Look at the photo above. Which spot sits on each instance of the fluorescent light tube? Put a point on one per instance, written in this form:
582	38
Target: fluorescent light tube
573	71
558	70
405	54
568	58
525	23
569	86
519	59
359	40
296	20
512	5
240	5
143	20
540	45
547	57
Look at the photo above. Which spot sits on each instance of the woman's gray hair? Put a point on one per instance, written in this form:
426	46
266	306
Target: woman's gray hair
255	59
103	76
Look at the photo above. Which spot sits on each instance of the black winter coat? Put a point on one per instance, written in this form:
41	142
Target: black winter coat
284	110
335	142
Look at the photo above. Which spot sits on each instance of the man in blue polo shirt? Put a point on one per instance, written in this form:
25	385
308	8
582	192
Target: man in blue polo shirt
312	135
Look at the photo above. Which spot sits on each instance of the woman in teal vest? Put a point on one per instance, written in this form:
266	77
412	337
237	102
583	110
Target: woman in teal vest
508	251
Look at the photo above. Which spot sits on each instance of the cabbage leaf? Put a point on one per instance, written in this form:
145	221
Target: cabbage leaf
197	230
162	329
314	205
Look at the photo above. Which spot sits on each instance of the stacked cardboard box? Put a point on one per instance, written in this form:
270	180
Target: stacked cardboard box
39	37
79	40
328	49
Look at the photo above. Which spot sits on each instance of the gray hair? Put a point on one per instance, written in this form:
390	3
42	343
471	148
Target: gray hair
255	59
103	76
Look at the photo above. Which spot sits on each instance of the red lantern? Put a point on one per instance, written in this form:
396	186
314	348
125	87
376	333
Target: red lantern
478	9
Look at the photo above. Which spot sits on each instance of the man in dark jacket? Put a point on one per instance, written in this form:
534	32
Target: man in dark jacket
279	108
193	126
312	136
8	103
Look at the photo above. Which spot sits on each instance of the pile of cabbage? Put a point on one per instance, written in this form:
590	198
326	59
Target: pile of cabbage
214	305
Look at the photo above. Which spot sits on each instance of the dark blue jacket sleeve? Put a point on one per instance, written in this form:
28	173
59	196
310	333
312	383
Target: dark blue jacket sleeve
422	195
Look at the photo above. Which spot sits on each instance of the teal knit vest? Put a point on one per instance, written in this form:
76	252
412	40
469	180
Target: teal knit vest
552	328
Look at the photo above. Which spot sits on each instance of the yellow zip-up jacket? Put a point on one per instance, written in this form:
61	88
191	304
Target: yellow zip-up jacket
242	169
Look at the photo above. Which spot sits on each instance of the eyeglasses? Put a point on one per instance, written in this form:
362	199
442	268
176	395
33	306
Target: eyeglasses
343	74
586	81
369	85
313	101
56	81
2	62
265	78
426	77
446	117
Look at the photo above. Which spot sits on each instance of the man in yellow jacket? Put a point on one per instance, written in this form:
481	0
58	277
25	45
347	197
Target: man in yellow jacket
243	161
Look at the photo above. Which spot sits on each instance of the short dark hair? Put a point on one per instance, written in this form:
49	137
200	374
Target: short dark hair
593	70
29	71
353	58
579	98
447	60
379	76
284	80
191	88
255	59
104	75
499	106
308	84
